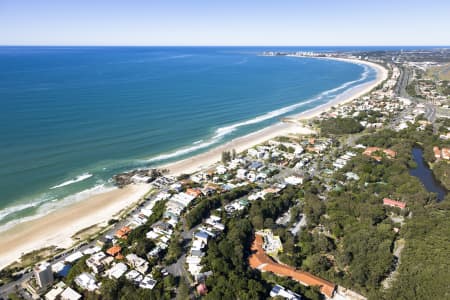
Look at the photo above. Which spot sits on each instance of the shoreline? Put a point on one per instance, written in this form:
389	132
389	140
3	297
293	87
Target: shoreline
204	160
348	95
59	226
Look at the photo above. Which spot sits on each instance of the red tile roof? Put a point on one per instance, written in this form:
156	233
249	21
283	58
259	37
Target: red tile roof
370	150
193	192
114	250
202	289
437	152
390	152
260	260
123	232
394	203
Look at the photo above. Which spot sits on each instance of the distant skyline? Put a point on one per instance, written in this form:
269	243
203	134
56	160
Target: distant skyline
225	23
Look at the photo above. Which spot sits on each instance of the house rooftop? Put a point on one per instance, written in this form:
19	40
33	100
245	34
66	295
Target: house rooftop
261	261
114	250
70	294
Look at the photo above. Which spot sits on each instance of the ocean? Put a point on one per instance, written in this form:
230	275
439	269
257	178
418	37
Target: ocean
71	117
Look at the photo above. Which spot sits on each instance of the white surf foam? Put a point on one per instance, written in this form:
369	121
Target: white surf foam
49	205
363	77
76	179
223	131
183	151
21	220
17	208
95	190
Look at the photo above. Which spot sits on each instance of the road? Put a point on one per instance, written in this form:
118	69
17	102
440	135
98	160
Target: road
298	226
403	80
430	112
400	90
177	268
15	286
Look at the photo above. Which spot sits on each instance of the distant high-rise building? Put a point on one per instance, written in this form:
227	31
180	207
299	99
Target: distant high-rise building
43	274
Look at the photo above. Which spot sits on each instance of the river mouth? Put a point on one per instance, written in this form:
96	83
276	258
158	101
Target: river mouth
425	175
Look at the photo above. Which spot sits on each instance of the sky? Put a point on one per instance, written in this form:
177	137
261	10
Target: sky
226	22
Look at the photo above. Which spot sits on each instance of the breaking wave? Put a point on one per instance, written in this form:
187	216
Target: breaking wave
20	207
46	205
75	180
223	131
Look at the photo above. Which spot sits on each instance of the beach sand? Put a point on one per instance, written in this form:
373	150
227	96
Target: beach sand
350	94
57	227
240	144
204	160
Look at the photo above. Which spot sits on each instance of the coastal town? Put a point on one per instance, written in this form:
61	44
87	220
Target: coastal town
290	218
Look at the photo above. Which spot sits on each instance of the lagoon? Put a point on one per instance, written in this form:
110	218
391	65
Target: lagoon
425	175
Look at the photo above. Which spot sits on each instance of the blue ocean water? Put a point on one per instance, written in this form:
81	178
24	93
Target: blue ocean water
71	117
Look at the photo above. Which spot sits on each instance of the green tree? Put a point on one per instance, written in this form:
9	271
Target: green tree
109	289
183	291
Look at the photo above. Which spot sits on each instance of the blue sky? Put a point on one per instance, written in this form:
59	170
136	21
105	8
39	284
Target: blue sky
232	22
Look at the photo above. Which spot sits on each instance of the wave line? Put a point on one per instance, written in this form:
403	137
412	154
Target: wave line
223	131
75	180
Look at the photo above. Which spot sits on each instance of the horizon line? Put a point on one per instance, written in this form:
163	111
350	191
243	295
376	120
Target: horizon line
200	45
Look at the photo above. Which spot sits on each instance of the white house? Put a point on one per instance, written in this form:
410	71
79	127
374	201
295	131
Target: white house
294	180
117	271
86	281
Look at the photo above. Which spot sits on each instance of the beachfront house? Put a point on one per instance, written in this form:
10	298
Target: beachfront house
72	258
221	169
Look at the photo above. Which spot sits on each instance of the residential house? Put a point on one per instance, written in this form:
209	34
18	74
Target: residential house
86	281
137	263
394	203
70	294
148	283
116	271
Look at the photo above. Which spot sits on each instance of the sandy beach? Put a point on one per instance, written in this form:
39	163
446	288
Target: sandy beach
57	227
350	94
204	160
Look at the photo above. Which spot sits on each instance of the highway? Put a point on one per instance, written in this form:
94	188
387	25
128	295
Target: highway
430	112
400	90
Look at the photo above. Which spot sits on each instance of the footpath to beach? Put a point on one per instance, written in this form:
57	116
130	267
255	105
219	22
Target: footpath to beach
57	228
